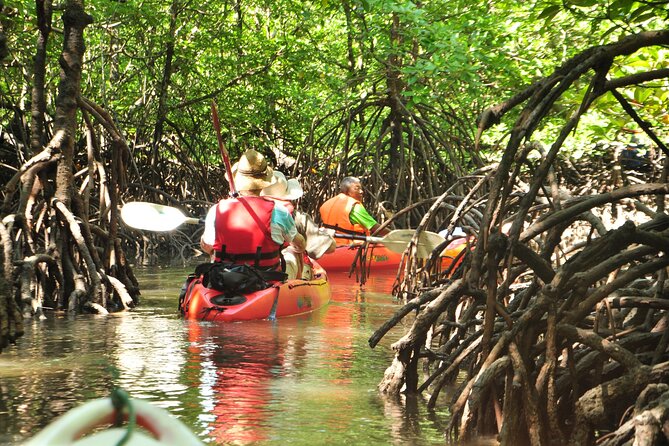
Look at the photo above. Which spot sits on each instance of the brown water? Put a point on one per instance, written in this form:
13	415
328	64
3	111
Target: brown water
302	381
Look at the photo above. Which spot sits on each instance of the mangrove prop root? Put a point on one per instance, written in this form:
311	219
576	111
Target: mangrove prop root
567	328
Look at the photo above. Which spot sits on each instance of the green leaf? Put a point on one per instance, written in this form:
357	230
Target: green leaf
646	16
636	15
611	30
583	3
641	94
550	12
621	8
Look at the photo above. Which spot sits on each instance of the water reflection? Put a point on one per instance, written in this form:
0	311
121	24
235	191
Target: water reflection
234	365
148	354
304	380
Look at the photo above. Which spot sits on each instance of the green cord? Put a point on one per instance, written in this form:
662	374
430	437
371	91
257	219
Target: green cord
120	400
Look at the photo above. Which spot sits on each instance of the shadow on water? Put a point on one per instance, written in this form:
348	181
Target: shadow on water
303	380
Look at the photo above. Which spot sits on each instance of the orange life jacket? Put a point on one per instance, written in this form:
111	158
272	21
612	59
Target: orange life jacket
243	233
335	215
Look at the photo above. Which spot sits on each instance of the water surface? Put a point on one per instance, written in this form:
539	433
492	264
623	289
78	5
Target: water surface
304	380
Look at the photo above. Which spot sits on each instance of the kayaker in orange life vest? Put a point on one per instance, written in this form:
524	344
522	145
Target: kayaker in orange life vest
250	229
345	212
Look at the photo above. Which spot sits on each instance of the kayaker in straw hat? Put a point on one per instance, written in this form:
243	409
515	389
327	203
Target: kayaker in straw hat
250	229
345	212
318	241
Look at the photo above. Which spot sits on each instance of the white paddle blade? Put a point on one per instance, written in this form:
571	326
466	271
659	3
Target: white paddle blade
152	217
399	239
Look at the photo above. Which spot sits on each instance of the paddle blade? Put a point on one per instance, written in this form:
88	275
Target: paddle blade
152	217
398	240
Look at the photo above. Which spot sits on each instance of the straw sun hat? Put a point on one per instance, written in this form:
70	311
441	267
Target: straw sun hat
282	188
252	172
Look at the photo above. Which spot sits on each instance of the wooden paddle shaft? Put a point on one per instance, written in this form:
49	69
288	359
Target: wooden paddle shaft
221	147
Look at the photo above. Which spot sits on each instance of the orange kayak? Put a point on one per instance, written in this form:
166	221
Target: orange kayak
378	257
282	299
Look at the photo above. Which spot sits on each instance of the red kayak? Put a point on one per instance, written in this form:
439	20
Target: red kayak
281	299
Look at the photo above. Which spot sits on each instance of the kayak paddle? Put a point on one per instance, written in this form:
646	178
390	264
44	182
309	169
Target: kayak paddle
161	218
154	217
223	150
398	240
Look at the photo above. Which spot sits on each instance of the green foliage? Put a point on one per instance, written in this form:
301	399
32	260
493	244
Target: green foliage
275	68
557	30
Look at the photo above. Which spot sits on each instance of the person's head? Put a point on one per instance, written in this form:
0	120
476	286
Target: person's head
252	173
634	144
632	147
283	189
352	187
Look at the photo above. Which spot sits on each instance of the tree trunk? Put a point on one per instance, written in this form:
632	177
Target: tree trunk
165	84
57	253
38	106
75	20
3	40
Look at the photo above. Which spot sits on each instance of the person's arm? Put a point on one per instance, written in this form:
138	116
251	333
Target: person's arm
209	235
376	227
359	215
207	248
283	229
299	243
318	240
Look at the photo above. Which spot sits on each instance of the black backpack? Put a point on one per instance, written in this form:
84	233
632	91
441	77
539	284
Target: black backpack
236	279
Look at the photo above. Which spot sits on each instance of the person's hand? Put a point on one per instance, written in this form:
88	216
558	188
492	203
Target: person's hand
299	244
327	231
209	249
380	233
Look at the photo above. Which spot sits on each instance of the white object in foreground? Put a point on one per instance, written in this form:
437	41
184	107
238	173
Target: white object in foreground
68	429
